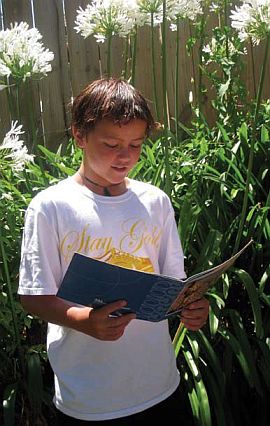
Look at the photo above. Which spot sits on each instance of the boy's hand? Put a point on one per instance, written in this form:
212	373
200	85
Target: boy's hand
97	323
195	315
100	324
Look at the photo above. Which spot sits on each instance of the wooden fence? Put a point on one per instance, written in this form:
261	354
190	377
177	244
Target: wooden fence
76	63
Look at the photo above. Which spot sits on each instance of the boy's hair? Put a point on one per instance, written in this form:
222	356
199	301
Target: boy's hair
111	98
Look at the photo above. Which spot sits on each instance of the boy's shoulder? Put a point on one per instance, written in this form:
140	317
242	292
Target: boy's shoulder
140	186
148	191
55	192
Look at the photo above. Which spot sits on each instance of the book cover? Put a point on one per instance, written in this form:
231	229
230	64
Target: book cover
153	297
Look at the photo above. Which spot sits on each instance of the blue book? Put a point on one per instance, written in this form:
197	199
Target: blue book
151	296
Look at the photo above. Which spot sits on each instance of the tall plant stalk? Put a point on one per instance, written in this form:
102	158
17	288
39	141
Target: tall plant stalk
32	124
168	184
202	25
99	61
252	147
13	96
134	55
253	68
126	57
109	48
12	306
154	68
194	77
176	90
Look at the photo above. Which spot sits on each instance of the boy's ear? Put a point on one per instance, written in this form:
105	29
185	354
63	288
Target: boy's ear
79	138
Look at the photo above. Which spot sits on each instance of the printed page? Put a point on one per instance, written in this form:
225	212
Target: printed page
197	285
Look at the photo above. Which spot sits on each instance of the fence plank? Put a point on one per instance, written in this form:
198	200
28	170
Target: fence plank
253	75
83	53
29	116
144	75
4	110
55	89
17	11
76	63
185	73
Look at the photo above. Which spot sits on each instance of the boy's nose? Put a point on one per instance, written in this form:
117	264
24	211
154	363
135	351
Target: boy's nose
124	154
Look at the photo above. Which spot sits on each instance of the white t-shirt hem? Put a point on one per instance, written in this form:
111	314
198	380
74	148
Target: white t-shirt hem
120	413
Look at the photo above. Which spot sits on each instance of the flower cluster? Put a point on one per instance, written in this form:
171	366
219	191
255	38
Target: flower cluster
104	18
22	54
252	19
183	9
148	8
13	150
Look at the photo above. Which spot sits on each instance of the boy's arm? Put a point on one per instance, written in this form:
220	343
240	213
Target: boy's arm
94	322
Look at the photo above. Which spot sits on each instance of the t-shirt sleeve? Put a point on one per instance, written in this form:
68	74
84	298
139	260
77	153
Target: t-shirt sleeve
171	253
40	267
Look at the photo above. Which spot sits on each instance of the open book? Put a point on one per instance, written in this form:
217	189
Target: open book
152	297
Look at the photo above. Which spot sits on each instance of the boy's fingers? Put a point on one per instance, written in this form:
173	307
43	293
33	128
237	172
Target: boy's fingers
122	320
112	307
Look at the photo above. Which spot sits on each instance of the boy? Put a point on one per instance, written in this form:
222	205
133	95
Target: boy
116	371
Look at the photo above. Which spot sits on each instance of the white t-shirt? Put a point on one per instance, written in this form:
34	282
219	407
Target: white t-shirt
94	379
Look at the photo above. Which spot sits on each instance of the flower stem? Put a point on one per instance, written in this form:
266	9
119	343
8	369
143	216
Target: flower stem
252	147
12	306
176	91
201	44
32	127
99	62
154	68
253	68
126	58
168	186
179	338
109	55
134	56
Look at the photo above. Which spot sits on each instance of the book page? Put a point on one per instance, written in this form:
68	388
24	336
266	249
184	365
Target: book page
197	285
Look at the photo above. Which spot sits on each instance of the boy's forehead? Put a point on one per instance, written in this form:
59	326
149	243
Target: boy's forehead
108	126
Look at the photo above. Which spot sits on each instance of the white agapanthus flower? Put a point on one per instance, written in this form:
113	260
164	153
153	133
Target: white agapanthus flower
218	6
22	54
105	18
148	8
13	149
252	19
183	9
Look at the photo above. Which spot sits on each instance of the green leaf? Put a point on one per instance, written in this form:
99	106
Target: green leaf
217	398
264	134
34	382
264	280
150	155
178	338
223	88
246	348
238	352
263	361
203	401
254	299
204	407
211	358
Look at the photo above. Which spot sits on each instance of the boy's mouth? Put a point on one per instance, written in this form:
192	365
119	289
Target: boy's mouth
120	168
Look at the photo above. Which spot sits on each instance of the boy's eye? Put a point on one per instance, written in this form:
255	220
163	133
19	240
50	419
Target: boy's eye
110	145
136	146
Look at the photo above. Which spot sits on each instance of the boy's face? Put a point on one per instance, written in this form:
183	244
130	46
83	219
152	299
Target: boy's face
111	150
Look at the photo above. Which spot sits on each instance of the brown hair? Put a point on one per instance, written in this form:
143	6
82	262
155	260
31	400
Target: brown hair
110	98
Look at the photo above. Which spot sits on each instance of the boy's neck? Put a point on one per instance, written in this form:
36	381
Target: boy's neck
110	190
